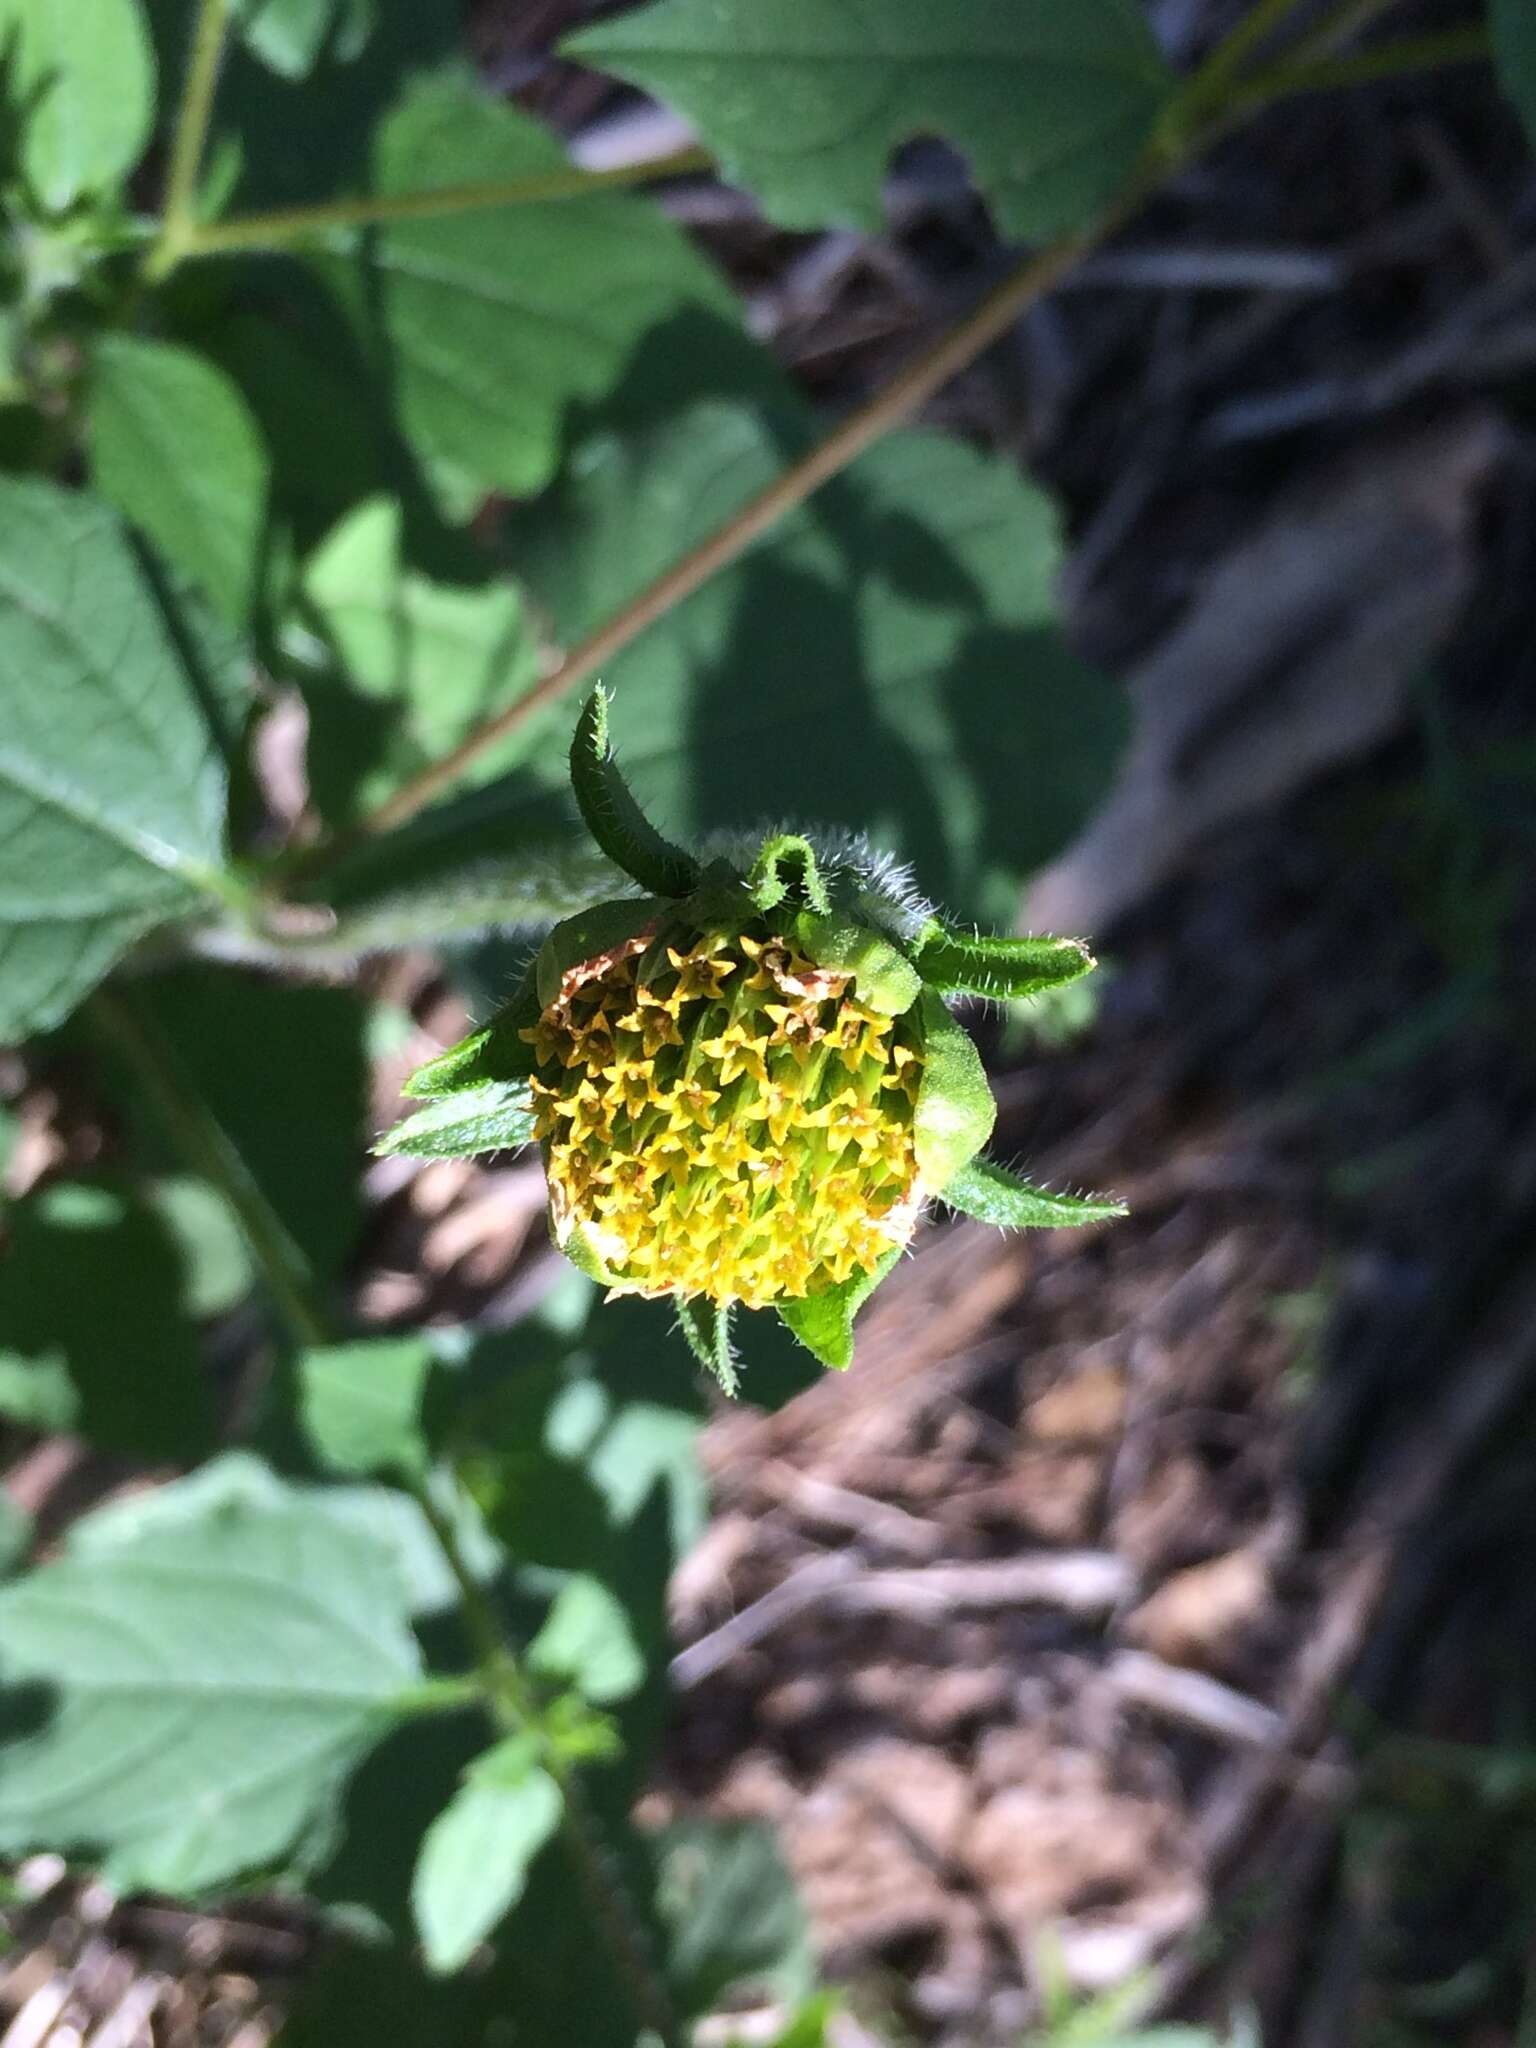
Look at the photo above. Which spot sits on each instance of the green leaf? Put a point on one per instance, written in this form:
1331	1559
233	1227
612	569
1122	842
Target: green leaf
290	34
585	1641
973	964
612	816
475	1859
823	1323
86	71
706	1326
16	1535
1514	50
94	1338
803	101
955	1108
491	323
993	1195
173	446
731	1913
112	779
361	1404
285	1072
187	1691
496	1118
438	658
887	659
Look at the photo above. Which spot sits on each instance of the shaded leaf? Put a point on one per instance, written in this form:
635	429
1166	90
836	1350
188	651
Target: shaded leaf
290	34
474	1861
112	780
173	447
94	1337
803	101
731	1911
187	1692
284	1070
493	322
86	71
215	1257
886	659
361	1404
1514	49
993	1195
438	658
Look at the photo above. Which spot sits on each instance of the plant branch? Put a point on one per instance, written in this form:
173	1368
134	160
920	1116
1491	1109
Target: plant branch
1402	58
127	1028
284	228
179	223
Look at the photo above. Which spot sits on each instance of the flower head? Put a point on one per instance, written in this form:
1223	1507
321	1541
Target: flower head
746	1083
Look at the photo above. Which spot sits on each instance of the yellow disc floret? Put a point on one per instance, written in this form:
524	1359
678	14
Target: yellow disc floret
722	1117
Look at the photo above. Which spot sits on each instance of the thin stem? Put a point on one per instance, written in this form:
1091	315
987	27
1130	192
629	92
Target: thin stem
284	228
1258	26
1346	20
179	222
123	1023
1403	58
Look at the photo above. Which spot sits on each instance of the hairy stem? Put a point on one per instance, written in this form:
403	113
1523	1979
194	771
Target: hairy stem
297	224
178	224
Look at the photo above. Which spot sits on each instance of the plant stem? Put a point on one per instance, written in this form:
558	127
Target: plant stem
282	229
127	1028
179	224
1260	25
1346	20
1402	58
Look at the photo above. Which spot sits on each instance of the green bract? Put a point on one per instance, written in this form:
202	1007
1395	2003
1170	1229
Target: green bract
745	1081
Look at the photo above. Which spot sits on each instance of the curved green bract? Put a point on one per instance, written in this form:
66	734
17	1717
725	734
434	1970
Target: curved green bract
786	871
993	1195
495	1053
495	1118
612	816
955	1110
823	1323
707	1327
963	964
883	977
